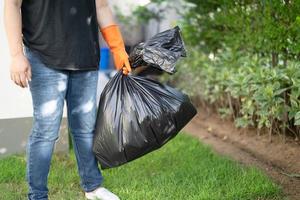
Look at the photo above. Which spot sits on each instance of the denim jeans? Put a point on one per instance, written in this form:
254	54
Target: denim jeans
49	87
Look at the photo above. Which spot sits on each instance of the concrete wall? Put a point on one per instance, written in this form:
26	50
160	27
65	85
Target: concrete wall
14	134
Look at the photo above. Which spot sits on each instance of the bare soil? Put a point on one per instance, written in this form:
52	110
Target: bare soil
278	159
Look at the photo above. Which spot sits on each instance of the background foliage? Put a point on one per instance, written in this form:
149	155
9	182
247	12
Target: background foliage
243	61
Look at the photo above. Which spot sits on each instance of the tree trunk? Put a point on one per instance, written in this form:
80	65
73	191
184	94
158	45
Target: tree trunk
274	59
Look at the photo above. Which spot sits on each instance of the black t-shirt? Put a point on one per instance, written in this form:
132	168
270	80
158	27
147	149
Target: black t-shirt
64	33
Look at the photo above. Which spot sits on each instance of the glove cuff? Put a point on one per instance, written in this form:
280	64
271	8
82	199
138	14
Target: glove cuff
113	37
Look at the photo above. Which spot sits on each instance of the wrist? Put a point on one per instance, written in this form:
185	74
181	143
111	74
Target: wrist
16	54
118	50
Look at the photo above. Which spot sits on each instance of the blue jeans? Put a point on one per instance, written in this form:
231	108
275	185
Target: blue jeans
49	87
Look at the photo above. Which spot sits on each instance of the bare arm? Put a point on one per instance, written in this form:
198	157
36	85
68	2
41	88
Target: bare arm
12	22
104	14
20	67
112	35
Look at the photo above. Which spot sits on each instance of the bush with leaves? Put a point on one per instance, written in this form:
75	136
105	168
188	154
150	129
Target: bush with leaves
246	89
243	61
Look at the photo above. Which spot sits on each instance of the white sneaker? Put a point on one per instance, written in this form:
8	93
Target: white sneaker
101	193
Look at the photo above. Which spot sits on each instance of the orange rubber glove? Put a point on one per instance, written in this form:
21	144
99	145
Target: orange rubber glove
114	40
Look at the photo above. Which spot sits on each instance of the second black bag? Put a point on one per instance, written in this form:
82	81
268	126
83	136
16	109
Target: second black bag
161	52
137	115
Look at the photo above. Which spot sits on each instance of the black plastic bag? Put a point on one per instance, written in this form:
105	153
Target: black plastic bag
161	51
137	115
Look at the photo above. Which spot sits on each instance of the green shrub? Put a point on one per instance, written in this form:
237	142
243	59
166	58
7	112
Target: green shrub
243	61
245	88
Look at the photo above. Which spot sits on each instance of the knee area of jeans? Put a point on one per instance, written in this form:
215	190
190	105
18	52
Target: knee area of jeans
45	129
43	136
84	126
46	124
83	133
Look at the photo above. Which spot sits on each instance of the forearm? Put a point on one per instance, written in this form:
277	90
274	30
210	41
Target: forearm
13	26
112	35
104	14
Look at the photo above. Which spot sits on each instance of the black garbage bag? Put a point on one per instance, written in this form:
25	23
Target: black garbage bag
161	51
137	115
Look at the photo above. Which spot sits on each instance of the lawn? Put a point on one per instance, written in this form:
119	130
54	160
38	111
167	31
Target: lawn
184	169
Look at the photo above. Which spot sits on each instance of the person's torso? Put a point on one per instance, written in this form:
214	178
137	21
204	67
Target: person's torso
63	32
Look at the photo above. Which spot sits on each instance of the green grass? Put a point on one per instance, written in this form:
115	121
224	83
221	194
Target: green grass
184	169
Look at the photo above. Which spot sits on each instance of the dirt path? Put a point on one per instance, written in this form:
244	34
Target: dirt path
281	161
